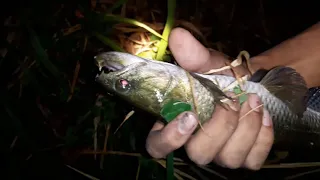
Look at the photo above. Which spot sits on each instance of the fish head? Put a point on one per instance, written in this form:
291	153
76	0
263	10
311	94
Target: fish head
142	82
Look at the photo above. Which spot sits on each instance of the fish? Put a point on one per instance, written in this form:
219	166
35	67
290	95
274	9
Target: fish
150	84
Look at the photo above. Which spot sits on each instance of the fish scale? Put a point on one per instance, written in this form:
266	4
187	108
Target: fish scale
285	123
314	94
296	125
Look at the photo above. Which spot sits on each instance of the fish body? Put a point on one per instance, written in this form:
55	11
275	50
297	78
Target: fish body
290	128
150	84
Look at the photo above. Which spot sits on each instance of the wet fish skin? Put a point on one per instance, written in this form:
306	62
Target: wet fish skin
153	83
290	129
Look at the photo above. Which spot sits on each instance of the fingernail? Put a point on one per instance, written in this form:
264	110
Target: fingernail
266	119
254	102
187	122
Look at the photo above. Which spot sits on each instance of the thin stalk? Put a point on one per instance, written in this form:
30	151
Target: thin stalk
167	29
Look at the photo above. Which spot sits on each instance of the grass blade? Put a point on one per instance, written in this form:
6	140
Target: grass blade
133	22
167	29
84	174
108	42
42	57
116	5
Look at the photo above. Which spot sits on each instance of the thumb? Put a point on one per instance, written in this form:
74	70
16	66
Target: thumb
164	139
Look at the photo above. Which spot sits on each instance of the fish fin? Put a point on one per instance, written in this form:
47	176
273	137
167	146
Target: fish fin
258	75
288	85
216	92
314	98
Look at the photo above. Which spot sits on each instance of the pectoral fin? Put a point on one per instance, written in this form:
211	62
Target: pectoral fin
217	93
286	84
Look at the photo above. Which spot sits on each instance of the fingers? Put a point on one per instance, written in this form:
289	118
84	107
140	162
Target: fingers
234	139
164	139
191	54
235	152
207	142
262	146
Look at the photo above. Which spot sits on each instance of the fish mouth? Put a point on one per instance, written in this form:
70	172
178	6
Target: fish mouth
108	62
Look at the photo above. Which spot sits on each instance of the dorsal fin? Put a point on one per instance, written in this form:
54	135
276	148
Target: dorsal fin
288	85
217	93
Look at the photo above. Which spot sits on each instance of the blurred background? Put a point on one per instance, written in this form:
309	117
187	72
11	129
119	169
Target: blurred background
57	123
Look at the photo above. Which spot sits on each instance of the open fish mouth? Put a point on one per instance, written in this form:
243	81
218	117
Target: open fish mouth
108	68
108	62
107	65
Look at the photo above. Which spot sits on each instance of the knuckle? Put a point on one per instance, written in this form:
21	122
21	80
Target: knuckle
160	143
152	151
266	140
165	137
227	118
197	155
199	160
255	166
230	163
169	140
252	121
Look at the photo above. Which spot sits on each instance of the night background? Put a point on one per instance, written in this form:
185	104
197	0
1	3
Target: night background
58	123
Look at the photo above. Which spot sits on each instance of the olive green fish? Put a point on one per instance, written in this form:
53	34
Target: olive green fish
150	84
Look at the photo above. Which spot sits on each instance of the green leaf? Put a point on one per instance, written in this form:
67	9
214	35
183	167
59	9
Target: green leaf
173	108
147	54
167	30
115	18
109	42
242	98
116	5
42	56
169	112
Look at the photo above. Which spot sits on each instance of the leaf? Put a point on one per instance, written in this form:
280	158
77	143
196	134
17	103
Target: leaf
108	42
114	18
42	57
173	108
116	5
169	112
242	98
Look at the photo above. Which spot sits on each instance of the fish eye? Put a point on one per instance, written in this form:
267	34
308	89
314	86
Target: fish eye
122	86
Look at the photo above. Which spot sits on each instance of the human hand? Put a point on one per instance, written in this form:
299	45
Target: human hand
226	139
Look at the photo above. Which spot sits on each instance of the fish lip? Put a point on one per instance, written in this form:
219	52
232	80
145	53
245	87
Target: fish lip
113	61
107	63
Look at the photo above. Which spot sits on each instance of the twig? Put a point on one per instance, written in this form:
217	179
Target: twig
124	120
107	127
302	174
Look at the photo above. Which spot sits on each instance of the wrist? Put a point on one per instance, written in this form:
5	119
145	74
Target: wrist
301	52
260	62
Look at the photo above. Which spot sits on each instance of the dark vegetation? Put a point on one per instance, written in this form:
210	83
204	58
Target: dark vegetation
51	107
